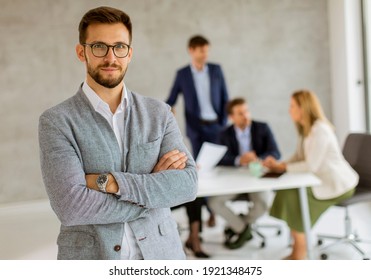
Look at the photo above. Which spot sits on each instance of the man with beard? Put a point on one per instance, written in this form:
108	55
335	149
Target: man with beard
113	162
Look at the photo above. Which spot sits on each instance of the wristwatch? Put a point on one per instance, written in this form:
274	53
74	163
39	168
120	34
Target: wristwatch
102	181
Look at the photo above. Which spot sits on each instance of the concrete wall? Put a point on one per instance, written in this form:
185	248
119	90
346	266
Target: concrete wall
267	49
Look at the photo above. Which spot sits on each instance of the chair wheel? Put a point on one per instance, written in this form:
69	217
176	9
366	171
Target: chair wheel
319	242
262	245
323	256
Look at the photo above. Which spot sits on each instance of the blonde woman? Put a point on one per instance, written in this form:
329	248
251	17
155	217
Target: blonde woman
318	151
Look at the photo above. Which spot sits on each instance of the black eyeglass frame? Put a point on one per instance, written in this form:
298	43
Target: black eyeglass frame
108	47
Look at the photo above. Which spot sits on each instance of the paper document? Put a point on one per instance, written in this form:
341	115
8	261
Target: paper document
209	156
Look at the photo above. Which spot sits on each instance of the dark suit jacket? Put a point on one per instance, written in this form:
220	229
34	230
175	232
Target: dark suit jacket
184	84
262	141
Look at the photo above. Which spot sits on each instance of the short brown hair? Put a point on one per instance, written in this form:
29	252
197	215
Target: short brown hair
197	41
233	103
103	15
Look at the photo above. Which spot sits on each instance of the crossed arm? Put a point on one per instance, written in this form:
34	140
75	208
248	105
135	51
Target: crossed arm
72	192
171	160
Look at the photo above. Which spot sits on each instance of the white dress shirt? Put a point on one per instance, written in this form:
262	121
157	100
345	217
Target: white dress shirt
129	247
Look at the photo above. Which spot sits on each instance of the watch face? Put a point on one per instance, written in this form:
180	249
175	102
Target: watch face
102	179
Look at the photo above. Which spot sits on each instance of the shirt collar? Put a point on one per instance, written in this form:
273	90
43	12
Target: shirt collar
204	70
95	100
242	132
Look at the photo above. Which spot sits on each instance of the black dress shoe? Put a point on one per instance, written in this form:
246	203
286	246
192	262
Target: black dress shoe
198	254
244	236
228	234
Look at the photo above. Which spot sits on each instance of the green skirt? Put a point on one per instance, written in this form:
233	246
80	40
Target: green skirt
286	206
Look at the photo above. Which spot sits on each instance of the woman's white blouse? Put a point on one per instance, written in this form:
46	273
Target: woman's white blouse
320	153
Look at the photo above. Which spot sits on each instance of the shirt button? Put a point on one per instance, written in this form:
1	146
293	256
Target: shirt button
117	248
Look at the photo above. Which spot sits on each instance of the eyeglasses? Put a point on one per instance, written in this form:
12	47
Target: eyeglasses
120	50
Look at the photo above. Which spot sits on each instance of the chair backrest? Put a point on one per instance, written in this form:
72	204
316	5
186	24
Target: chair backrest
357	151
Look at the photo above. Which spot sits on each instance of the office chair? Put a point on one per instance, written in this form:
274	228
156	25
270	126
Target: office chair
357	151
255	228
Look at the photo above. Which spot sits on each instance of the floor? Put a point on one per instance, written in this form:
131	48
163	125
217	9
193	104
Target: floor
29	232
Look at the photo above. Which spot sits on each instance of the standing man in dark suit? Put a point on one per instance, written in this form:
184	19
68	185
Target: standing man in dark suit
247	141
205	96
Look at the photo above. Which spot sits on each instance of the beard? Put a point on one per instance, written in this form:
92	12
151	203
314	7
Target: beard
106	82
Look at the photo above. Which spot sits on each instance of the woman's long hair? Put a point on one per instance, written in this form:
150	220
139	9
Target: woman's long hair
312	111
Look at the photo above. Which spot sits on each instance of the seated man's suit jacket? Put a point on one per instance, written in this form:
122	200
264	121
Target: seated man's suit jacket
262	142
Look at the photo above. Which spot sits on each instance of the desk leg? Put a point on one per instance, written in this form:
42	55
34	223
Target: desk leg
306	219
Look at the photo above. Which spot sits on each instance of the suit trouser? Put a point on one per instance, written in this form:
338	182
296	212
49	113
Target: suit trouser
208	133
260	206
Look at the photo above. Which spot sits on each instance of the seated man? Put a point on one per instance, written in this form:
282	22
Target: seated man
247	141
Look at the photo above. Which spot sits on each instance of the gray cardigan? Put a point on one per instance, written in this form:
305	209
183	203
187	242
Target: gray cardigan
76	140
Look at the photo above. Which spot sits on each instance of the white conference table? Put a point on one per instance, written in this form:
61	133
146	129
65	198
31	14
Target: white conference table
232	180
